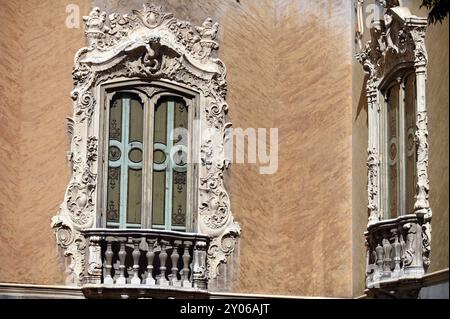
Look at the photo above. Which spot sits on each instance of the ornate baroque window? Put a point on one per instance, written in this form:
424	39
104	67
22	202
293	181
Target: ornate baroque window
399	229
146	173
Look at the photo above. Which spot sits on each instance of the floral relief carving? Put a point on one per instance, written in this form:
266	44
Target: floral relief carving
409	251
147	44
206	153
373	164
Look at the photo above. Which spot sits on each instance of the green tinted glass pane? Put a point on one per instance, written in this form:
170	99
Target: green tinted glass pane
114	153
159	156
179	199
158	201
135	155
113	197
393	150
180	119
410	147
134	196
115	120
136	120
160	127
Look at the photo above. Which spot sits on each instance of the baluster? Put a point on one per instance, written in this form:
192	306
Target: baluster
387	258
379	251
397	253
150	256
174	257
136	254
402	249
122	254
108	264
199	279
186	258
162	281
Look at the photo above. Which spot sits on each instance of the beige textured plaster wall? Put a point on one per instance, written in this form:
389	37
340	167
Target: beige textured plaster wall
36	83
10	69
289	66
312	189
437	104
359	169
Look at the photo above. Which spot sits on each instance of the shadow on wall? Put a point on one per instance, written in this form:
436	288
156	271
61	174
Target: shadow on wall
362	103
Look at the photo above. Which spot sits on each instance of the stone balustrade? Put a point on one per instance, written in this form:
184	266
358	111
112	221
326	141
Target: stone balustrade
394	251
121	258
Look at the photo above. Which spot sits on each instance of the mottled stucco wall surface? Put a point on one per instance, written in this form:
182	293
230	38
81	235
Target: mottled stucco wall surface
289	67
437	103
312	188
10	69
36	65
359	171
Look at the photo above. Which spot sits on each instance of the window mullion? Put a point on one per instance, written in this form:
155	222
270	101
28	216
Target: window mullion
385	156
169	169
147	171
124	170
105	171
401	143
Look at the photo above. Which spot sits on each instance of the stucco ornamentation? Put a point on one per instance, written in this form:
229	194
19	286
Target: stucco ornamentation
373	164
148	44
397	45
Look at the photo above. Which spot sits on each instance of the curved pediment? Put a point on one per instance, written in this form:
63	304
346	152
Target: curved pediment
109	37
396	42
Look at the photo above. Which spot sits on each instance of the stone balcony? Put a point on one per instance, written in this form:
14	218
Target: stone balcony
395	265
144	263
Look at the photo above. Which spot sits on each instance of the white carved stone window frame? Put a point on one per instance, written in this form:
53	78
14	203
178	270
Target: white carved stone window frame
397	45
147	45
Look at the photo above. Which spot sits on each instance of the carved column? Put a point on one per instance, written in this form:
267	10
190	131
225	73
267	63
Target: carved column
422	205
373	161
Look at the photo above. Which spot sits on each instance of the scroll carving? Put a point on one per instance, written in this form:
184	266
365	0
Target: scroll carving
147	44
373	164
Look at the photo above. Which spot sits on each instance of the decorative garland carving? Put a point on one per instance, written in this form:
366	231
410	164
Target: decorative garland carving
373	164
397	42
148	44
